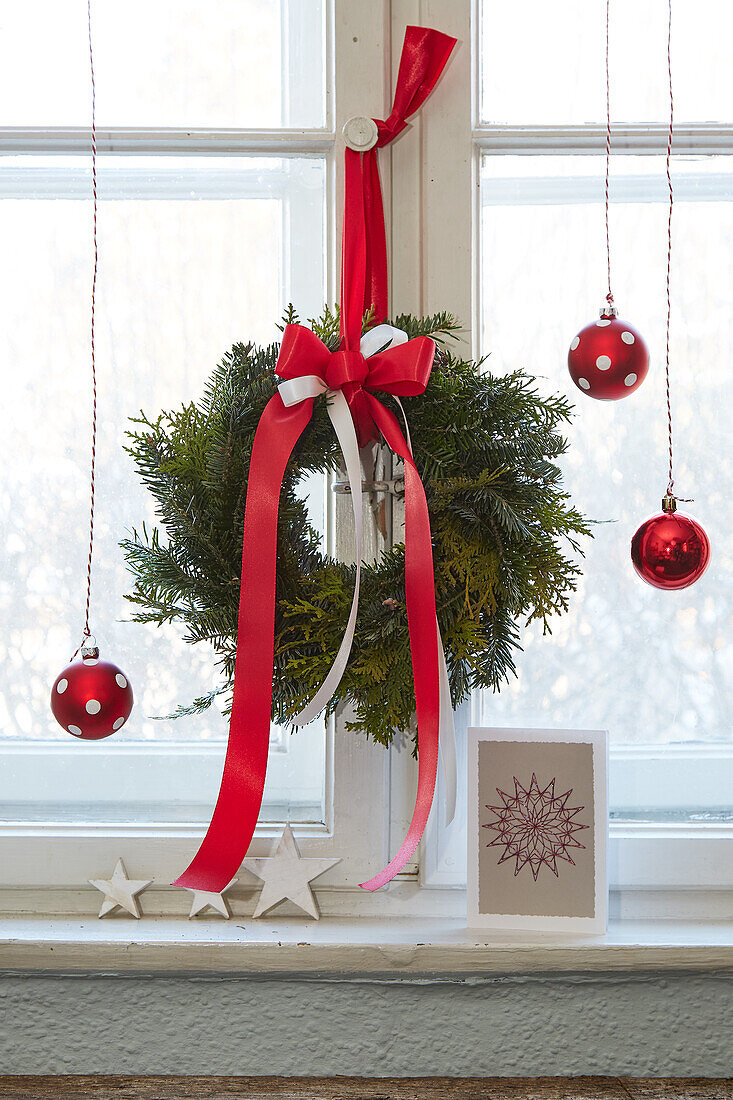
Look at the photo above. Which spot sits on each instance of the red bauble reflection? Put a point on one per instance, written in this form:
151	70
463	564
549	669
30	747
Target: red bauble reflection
670	551
608	359
91	699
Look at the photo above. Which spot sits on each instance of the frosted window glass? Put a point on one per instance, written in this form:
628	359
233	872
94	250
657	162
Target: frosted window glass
181	278
647	665
243	63
544	64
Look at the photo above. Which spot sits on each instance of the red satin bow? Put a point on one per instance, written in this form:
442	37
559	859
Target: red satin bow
402	371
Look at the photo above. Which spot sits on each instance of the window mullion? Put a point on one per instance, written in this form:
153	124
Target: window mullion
16	140
702	138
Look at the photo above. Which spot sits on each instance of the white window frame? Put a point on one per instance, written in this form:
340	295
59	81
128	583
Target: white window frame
655	870
366	791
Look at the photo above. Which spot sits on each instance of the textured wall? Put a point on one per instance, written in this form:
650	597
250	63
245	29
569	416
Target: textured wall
642	1025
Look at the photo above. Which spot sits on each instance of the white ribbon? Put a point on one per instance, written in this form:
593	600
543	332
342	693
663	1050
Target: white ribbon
380	338
292	392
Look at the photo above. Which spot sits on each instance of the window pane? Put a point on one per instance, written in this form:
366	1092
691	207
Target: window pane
194	255
652	667
544	64
243	63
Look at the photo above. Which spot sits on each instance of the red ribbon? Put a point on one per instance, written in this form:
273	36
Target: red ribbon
403	371
425	53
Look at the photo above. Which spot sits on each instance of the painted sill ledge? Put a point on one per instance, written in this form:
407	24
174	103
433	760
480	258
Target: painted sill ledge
396	948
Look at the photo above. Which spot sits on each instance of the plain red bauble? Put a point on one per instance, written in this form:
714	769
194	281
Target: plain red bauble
91	699
670	551
608	359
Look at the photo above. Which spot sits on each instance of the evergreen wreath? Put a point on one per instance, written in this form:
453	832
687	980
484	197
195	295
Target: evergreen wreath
504	531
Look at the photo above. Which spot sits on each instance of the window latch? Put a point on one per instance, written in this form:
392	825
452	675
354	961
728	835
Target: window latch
395	486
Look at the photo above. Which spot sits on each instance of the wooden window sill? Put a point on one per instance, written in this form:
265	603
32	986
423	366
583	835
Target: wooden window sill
398	947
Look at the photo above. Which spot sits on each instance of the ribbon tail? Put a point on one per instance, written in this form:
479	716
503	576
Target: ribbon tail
240	796
420	593
343	425
447	730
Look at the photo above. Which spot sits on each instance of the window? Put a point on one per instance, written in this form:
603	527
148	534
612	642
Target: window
244	64
255	228
495	195
216	177
162	325
653	670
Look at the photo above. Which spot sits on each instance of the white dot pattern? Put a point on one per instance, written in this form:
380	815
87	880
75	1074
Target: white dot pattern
117	723
630	379
120	679
62	685
628	337
584	383
75	730
603	362
574	343
91	661
93	706
603	322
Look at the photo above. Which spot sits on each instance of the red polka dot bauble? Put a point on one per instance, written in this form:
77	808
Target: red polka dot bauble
670	550
608	359
91	699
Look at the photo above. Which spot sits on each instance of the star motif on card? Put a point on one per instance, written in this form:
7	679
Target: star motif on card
286	875
210	899
120	892
535	827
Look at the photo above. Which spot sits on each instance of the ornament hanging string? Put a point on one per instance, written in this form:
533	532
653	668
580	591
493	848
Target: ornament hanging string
670	551
92	481
348	378
608	359
91	699
670	132
609	296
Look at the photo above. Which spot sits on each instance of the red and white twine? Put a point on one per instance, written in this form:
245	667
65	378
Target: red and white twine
92	471
670	481
609	296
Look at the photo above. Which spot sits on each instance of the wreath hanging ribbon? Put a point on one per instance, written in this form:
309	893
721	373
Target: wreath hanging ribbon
348	378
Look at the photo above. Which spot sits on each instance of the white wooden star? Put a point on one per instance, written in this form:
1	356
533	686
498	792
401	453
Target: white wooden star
120	892
210	899
286	876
